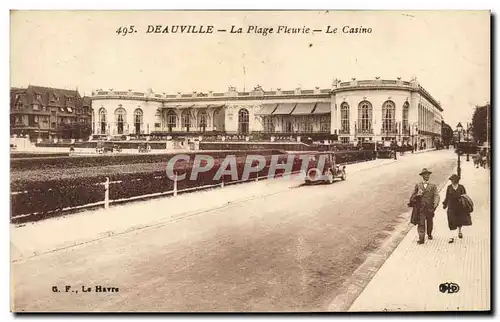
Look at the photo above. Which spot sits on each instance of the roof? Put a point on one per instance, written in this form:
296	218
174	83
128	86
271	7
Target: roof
86	101
58	91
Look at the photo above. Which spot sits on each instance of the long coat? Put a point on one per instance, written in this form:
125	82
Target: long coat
423	205
457	215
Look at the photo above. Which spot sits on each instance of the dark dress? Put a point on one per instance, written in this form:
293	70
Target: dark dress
457	216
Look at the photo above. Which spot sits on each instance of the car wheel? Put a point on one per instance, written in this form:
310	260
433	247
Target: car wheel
330	177
344	176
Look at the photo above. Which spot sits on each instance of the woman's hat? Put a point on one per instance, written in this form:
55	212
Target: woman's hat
424	171
454	177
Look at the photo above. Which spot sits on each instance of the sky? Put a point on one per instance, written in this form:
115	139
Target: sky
448	52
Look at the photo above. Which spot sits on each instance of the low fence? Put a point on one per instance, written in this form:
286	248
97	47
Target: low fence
33	201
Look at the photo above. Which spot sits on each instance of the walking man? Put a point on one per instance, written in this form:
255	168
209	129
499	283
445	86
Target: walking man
424	200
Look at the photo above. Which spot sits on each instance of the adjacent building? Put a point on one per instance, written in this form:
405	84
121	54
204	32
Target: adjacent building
44	112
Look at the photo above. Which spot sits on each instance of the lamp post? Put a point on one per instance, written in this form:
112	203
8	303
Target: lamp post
459	169
468	140
414	128
395	143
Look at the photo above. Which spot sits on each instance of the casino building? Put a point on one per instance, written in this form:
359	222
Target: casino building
351	112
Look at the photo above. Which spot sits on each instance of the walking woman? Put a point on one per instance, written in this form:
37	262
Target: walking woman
458	216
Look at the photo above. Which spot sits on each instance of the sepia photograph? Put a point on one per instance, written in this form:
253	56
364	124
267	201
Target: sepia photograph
244	161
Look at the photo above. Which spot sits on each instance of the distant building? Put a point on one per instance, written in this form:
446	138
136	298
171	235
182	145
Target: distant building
352	111
43	112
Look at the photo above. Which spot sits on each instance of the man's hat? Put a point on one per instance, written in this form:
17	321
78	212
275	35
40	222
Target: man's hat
454	177
424	171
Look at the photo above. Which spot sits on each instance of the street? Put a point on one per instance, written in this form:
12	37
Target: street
289	251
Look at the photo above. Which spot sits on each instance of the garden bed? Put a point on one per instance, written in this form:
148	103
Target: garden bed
42	192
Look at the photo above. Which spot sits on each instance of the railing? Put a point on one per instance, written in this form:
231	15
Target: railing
344	131
388	131
364	131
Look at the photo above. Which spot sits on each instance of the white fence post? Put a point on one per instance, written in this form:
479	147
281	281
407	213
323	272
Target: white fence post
106	193
222	183
175	184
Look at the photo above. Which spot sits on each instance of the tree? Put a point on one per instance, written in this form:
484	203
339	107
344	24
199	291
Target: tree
480	129
446	133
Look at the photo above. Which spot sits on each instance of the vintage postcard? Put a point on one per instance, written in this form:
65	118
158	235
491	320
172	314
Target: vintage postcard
250	161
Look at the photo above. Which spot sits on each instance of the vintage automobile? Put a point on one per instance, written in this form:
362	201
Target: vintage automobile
385	152
326	173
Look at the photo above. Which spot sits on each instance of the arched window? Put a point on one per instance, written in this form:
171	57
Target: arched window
269	124
388	117
406	112
158	119
243	121
171	120
365	115
138	118
344	118
186	119
102	120
202	120
120	117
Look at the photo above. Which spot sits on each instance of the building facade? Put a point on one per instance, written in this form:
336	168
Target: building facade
43	112
353	111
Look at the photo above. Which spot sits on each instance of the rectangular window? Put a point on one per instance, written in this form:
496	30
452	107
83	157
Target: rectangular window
38	96
344	140
70	110
325	123
36	119
36	107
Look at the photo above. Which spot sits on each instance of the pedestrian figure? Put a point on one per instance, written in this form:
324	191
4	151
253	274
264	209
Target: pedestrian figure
458	215
424	200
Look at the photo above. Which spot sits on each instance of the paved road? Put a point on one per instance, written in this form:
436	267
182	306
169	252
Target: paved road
285	252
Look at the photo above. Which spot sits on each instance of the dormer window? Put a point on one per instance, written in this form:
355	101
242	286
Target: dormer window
62	109
38	96
36	107
70	100
70	110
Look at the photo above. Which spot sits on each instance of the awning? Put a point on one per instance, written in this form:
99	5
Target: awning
199	106
177	106
322	108
303	108
284	109
267	109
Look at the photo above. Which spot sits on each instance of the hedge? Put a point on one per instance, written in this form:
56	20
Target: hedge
44	199
115	159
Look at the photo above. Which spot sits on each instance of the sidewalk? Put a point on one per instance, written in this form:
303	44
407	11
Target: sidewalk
40	237
409	279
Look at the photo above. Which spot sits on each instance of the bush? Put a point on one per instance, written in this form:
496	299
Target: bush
44	199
